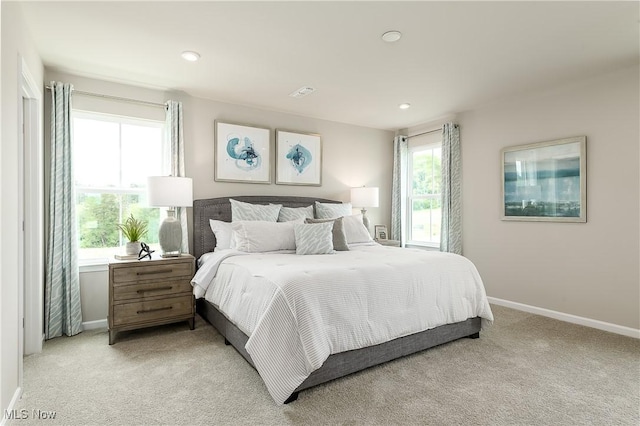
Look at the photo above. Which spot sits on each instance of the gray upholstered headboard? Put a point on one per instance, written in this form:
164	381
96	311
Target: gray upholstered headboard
220	209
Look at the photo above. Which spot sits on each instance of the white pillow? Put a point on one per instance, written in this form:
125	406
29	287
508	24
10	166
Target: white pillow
355	230
256	236
288	214
247	211
332	211
316	238
222	231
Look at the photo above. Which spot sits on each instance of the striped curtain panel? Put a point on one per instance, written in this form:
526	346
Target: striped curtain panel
176	144
63	314
399	189
451	230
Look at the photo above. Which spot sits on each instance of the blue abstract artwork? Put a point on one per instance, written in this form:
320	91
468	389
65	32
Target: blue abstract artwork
300	158
244	153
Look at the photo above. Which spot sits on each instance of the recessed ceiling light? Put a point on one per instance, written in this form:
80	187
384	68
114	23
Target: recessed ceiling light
391	36
404	106
190	56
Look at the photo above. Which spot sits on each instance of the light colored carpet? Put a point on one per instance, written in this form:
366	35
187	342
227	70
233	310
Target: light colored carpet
526	369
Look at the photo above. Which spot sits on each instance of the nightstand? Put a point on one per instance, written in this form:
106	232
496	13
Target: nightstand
391	243
145	293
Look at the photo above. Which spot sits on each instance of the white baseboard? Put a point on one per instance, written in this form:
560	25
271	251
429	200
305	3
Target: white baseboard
93	325
16	397
574	319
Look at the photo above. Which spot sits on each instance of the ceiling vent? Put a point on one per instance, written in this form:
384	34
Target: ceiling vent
302	92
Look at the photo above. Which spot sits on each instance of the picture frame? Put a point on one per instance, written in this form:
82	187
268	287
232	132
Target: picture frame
298	158
545	181
242	153
380	232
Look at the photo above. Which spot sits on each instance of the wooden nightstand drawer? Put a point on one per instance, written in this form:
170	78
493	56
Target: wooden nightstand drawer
140	312
150	289
152	271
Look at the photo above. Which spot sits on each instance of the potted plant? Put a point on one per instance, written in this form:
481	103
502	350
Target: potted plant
133	230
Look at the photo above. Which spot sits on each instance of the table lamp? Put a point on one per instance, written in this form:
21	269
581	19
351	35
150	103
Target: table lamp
171	192
364	197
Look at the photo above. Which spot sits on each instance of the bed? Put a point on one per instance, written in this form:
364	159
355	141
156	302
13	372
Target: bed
320	361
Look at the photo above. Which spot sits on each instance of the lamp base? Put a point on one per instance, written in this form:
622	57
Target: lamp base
170	236
365	219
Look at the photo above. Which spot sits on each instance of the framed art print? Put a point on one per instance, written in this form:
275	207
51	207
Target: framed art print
381	232
545	181
242	153
298	158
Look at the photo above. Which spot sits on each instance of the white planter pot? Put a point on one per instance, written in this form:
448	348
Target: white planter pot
132	247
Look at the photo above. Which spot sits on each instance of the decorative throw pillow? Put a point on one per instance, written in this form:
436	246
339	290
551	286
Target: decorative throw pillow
355	230
222	231
247	211
256	236
332	211
339	236
314	238
288	214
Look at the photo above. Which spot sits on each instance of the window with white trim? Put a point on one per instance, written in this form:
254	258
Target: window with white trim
113	155
424	206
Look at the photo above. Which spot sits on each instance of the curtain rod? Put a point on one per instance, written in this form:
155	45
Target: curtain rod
115	98
425	133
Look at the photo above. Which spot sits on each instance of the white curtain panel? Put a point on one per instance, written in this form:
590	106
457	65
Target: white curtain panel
176	143
399	189
451	231
63	314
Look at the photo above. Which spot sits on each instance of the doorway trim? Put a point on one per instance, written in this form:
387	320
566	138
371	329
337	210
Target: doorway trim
31	107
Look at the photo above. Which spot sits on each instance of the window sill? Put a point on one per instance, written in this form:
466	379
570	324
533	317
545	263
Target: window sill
93	265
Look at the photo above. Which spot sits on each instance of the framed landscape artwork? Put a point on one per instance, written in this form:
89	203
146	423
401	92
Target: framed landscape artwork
545	181
298	158
242	153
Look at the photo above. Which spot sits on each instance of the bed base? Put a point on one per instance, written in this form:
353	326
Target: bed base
344	363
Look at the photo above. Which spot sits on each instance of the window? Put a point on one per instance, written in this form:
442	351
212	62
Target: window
113	156
424	204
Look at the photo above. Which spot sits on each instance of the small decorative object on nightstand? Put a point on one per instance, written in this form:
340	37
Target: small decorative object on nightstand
151	292
380	232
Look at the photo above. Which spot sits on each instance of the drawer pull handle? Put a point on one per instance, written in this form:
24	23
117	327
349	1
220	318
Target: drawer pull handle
146	311
157	271
155	289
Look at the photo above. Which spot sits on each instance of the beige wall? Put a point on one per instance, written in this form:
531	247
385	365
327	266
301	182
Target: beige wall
15	44
589	270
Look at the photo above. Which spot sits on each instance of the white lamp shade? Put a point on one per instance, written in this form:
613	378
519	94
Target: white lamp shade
364	197
169	191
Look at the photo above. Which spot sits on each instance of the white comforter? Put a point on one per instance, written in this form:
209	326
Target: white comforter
298	310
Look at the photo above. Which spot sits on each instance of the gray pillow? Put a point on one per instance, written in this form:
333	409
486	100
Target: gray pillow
338	233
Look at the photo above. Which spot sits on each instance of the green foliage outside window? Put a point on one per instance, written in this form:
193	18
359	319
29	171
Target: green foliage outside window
426	205
98	214
427	173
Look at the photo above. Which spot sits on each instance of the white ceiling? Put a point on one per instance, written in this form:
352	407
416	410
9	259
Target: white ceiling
453	56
